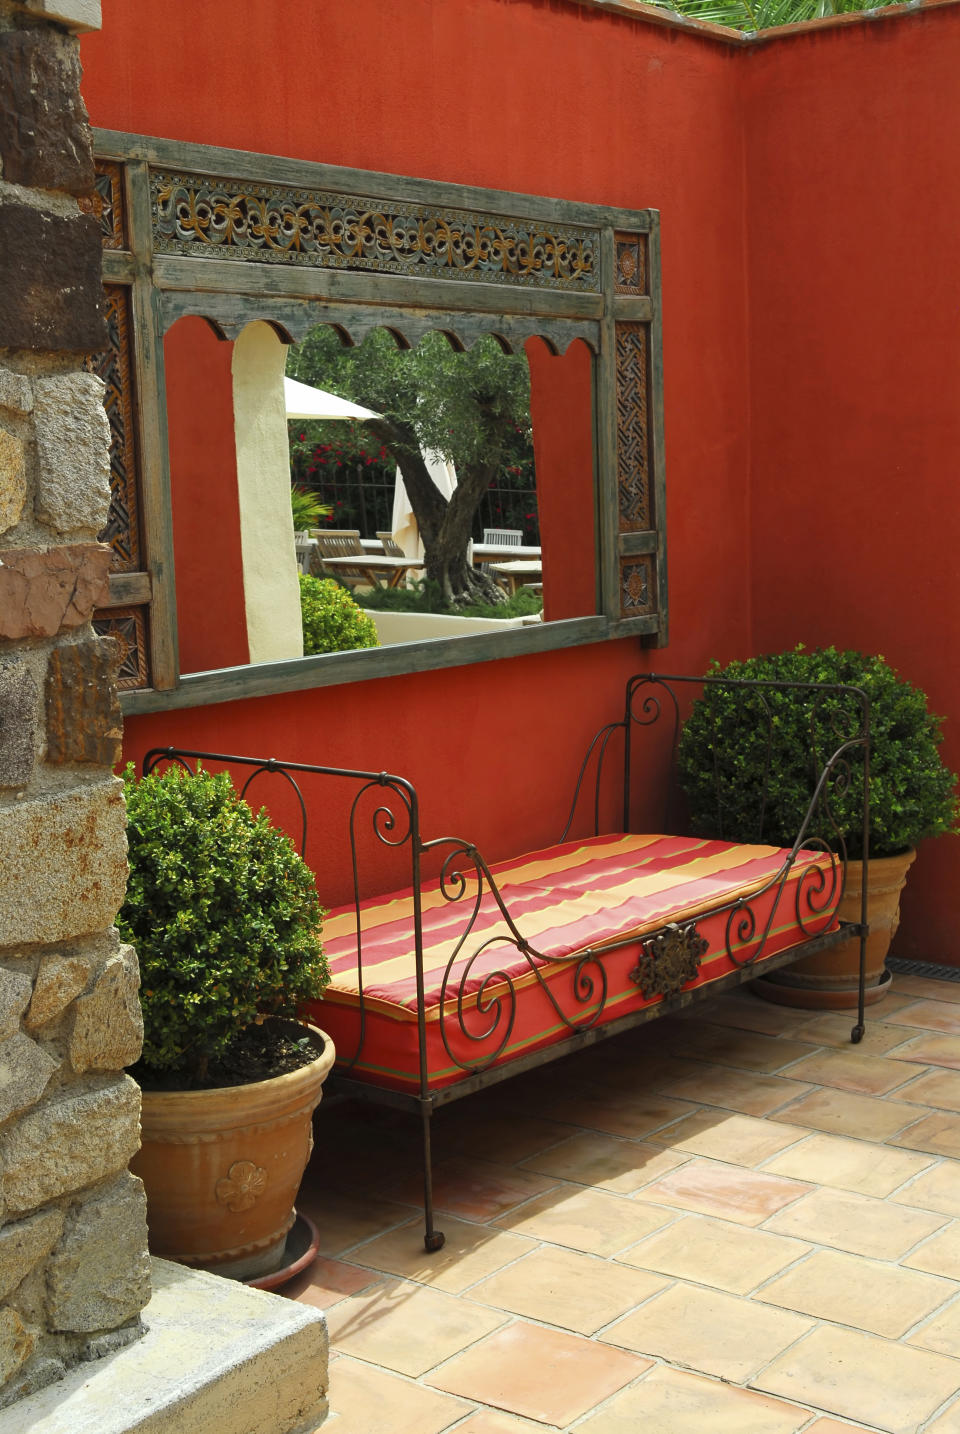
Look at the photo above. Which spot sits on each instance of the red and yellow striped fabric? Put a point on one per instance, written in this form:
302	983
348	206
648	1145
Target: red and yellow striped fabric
484	998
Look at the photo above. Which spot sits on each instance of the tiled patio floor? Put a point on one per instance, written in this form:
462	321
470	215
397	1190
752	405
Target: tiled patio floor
730	1222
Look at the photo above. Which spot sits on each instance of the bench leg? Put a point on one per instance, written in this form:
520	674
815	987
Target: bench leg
432	1239
857	1034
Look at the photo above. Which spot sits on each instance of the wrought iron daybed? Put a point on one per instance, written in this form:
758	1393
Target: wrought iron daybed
453	983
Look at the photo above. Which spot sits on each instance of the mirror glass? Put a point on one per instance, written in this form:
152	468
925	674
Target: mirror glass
332	495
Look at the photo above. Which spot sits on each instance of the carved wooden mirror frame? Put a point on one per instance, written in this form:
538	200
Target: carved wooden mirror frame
235	237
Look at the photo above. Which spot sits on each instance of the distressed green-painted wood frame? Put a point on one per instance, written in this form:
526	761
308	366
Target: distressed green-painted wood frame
599	281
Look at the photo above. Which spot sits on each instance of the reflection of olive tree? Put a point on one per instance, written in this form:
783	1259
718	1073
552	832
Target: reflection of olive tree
465	406
763	14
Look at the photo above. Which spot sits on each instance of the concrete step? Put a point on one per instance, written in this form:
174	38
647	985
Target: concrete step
217	1358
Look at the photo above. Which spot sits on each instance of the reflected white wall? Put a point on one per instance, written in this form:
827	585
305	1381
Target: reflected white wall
274	630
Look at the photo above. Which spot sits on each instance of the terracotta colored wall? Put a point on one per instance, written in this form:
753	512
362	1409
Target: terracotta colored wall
853	150
206	515
539	96
562	414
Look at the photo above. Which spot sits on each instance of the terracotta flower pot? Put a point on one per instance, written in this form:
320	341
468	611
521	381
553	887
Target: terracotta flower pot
222	1167
829	980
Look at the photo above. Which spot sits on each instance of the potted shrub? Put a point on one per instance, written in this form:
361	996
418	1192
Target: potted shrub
912	793
226	921
332	621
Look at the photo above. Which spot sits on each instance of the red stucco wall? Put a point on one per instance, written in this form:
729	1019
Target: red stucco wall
853	152
533	95
206	511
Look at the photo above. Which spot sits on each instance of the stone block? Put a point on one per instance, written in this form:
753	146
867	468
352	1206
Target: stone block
108	1026
15	989
73	448
15	392
37	1373
78	15
69	1143
84	721
52	297
50	590
23	1244
99	1274
24	1072
65	866
59	980
44	133
16	1344
217	1357
18	723
13	480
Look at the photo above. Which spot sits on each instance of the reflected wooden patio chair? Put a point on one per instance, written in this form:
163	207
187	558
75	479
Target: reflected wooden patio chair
390	546
339	543
507	538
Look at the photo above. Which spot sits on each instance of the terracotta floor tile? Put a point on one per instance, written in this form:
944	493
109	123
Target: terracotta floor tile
745	1049
941	1333
475	1189
670	1401
592	1221
850	1070
833	1029
748	1012
624	1112
923	987
937	1133
931	1016
863	1378
406	1327
938	1089
491	1421
714	1252
848	1164
748	1092
504	1136
948	1423
839	1112
359	1394
930	1050
865	1294
327	1281
634	1065
834	1426
471	1253
709	1331
345	1220
937	1189
856	1223
606	1162
578	1292
748	1197
940	1255
539	1373
723	1135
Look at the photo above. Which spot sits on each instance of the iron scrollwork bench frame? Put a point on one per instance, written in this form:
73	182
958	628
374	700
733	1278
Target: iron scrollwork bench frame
669	957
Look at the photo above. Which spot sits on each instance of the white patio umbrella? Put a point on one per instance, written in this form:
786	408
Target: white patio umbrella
304	401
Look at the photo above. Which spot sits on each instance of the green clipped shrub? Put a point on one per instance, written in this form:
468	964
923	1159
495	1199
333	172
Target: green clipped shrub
724	746
225	917
332	621
427	596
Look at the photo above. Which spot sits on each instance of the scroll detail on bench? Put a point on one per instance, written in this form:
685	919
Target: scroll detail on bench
455	983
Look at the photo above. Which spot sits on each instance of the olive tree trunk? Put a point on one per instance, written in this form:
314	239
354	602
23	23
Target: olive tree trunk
445	523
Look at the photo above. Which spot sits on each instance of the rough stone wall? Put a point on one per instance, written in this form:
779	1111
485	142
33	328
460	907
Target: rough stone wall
74	1273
